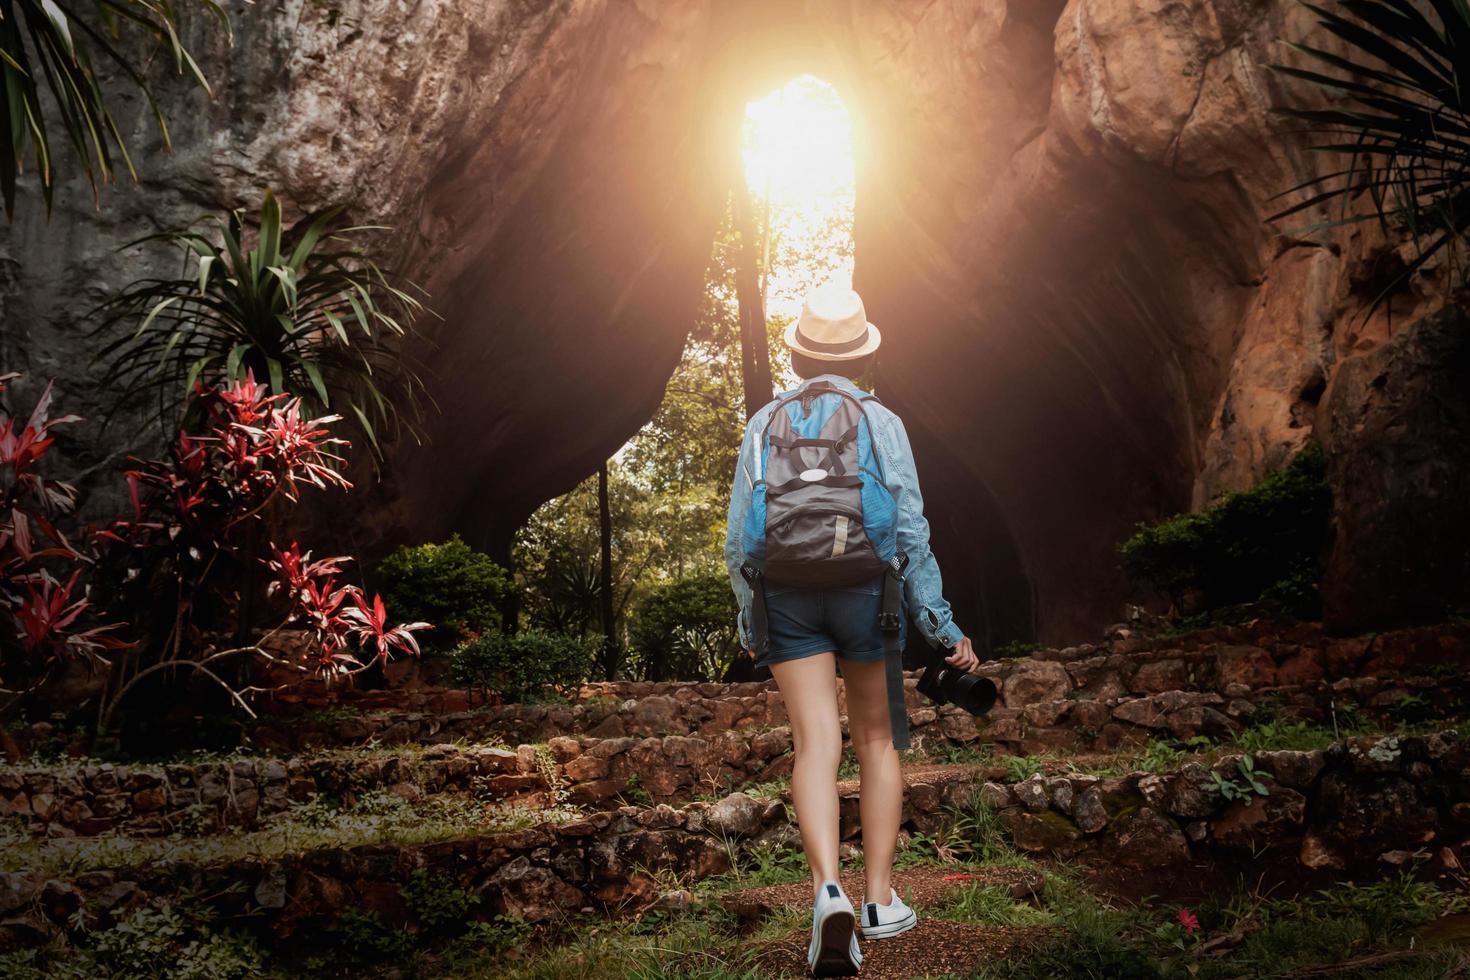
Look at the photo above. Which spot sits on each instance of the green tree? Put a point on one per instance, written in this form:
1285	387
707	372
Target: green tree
449	584
685	629
44	45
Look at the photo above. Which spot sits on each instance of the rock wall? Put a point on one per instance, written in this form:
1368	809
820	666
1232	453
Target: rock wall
1353	806
1059	227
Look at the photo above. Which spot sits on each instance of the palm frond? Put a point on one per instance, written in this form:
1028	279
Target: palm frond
1399	115
52	45
329	325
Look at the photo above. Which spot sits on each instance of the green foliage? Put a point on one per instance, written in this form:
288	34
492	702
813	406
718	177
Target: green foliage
1408	708
160	941
440	905
1262	543
685	629
1399	112
449	584
1277	735
365	938
72	57
1160	757
306	310
769	863
958	753
518	666
1250	782
1020	767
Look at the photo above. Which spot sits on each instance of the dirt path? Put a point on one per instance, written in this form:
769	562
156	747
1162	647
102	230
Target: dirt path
932	948
920	887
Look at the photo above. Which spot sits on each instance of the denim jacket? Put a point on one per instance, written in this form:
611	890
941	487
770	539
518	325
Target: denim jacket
923	591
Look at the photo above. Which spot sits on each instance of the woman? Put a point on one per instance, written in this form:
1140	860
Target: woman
808	630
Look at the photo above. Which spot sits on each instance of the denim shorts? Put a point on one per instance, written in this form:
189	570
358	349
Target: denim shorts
803	622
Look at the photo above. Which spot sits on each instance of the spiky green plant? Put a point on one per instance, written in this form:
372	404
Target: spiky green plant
1401	120
46	44
306	309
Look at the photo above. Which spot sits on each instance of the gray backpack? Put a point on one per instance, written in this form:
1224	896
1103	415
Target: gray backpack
820	514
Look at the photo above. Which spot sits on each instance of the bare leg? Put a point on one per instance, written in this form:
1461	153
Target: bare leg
809	687
881	797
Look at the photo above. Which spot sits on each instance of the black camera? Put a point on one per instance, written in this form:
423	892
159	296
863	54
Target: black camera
946	684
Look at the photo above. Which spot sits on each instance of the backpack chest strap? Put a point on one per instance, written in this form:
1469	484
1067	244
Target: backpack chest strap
830	480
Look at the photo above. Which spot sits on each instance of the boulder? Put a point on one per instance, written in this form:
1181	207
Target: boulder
1035	681
1190	794
1047	832
1258	822
1291	768
1397	441
1248	666
737	815
1147	839
1089	812
532	893
1159	676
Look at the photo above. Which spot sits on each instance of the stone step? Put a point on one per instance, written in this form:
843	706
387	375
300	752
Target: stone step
1072	698
1356	806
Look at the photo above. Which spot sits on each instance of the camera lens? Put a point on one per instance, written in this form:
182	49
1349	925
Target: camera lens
975	694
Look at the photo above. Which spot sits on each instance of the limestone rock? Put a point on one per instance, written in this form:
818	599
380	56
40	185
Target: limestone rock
1261	821
1250	667
737	815
996	795
1147	839
1032	793
1046	832
1035	681
1089	812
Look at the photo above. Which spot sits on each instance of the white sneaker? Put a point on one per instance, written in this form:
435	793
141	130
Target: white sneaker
886	921
833	951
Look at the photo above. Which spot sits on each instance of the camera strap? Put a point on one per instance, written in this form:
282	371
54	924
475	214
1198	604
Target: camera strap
759	624
889	621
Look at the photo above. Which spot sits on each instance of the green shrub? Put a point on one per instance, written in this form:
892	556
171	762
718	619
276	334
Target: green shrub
438	903
519	665
450	585
164	942
685	629
1266	543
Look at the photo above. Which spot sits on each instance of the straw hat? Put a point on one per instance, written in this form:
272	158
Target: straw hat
833	326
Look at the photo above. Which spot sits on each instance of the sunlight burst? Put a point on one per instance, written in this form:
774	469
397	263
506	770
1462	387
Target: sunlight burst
798	151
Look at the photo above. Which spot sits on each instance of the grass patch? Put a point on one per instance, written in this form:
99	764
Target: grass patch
376	817
987	905
1251	935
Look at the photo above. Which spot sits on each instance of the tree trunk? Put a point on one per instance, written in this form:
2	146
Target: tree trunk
605	589
755	353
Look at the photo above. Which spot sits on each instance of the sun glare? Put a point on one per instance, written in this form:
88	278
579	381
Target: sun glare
798	149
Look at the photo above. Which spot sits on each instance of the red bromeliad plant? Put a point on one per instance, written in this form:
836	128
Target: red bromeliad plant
187	550
337	616
180	569
190	551
45	620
